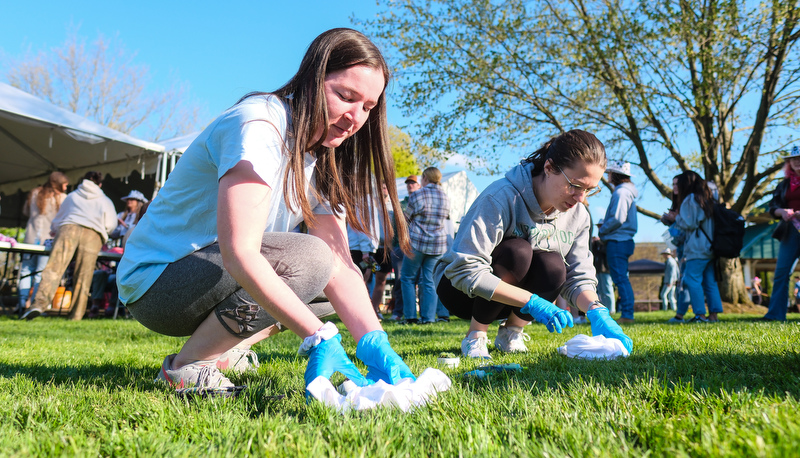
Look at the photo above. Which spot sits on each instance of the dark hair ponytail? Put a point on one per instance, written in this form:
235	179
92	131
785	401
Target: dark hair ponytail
567	149
690	182
94	177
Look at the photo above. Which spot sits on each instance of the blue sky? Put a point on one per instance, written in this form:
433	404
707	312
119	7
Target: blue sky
221	51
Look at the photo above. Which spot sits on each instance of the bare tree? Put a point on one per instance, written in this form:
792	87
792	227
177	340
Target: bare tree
102	82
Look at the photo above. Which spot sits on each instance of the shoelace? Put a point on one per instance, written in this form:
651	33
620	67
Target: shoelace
521	336
209	376
252	357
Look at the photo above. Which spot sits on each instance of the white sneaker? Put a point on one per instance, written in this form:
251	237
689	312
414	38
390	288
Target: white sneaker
238	359
580	320
511	339
475	345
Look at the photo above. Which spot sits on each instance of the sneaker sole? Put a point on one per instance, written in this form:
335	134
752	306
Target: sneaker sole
30	314
204	392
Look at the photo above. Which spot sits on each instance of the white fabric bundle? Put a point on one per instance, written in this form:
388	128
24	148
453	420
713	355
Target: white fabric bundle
404	395
596	347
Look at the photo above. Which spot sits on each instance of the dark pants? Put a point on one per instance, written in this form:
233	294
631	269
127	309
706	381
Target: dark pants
515	262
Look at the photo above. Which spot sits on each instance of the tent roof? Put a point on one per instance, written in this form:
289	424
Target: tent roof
646	267
179	144
758	242
37	137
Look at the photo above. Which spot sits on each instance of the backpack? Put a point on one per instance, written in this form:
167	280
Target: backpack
728	238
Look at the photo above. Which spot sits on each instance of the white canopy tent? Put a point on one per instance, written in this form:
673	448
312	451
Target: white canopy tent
173	149
37	137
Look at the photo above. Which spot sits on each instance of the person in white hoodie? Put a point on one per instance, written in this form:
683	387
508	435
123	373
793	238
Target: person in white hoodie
82	225
524	242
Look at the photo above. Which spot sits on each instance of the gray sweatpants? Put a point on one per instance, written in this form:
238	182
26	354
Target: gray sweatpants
193	287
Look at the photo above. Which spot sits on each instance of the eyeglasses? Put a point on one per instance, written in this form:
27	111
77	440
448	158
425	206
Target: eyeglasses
575	189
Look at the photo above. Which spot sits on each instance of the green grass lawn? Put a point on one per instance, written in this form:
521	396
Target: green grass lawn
728	389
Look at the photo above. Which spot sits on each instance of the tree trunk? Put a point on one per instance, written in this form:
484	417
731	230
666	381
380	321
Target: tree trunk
731	282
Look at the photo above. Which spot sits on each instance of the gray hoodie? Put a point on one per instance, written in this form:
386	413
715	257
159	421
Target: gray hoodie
620	223
508	209
691	217
89	207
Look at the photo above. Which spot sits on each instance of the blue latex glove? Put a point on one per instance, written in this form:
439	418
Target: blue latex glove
383	362
547	313
603	325
328	357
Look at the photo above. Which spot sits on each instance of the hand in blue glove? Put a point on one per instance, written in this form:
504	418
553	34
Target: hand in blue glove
603	325
383	362
547	313
328	357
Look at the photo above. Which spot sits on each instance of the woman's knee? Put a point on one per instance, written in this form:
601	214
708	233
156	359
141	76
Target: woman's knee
547	272
304	262
511	260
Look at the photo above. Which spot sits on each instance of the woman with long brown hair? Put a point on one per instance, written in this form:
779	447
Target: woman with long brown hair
695	220
40	208
216	256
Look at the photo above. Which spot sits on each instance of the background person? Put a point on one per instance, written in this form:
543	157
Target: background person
215	256
383	259
81	226
605	285
524	242
427	211
756	291
41	207
412	186
785	205
128	217
671	275
619	226
695	220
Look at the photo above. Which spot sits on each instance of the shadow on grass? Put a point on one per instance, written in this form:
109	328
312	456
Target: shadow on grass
104	376
771	375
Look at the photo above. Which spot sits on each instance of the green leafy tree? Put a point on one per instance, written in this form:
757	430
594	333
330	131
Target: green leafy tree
404	161
668	85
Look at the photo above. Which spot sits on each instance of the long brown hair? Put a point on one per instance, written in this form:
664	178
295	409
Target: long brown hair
349	176
690	182
567	149
50	190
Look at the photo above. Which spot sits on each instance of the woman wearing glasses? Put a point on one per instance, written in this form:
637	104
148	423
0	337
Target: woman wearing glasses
524	242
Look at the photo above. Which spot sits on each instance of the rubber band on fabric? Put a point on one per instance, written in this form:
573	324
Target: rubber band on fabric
327	331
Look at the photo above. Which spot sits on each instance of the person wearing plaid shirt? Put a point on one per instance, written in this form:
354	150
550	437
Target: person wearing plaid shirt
427	211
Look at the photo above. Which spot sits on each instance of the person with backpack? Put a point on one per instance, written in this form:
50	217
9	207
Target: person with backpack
785	206
695	220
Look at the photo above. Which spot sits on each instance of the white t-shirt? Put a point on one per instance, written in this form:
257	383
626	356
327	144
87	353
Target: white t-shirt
183	217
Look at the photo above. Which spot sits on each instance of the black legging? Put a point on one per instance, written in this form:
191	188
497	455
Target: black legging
515	262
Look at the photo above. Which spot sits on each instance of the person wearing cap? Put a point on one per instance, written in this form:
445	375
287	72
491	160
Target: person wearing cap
619	226
785	206
127	218
412	186
81	227
668	299
427	211
524	242
605	286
